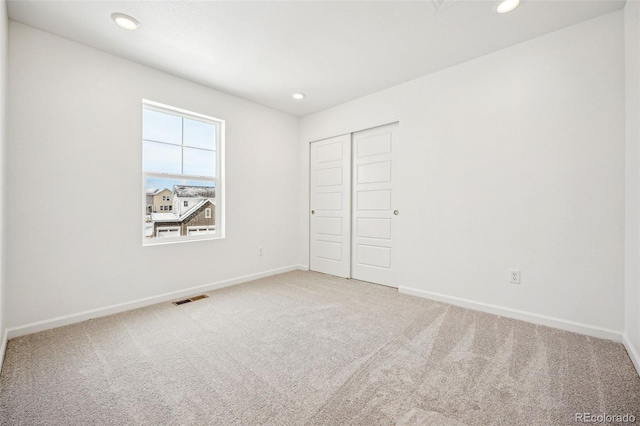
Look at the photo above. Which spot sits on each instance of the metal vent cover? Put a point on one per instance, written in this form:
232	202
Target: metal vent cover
189	300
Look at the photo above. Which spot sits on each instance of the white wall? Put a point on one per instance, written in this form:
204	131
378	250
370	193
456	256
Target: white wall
632	181
4	44
512	160
74	132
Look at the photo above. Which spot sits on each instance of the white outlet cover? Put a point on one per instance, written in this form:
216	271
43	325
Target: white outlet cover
514	276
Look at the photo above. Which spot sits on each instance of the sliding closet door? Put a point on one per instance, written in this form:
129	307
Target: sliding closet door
330	209
373	212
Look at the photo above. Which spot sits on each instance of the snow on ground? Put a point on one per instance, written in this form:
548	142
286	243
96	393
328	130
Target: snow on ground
164	217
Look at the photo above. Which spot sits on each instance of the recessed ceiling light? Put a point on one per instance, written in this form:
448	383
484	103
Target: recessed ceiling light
298	96
507	6
125	21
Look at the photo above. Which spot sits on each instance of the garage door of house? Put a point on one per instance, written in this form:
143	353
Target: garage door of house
201	230
168	231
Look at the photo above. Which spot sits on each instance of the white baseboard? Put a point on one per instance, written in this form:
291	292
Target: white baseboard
633	353
34	327
303	267
576	327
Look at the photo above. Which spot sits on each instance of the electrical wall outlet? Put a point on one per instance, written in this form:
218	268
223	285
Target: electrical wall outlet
260	252
514	276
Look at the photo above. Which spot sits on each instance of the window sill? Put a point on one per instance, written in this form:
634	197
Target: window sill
164	242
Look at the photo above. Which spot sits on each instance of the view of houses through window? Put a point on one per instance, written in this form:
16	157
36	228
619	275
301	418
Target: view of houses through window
180	163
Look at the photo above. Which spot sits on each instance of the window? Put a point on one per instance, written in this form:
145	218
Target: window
182	152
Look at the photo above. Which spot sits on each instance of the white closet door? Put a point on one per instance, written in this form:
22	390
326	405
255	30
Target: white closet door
374	213
330	209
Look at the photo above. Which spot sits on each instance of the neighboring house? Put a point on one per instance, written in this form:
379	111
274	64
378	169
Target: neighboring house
159	200
149	196
190	211
186	197
198	220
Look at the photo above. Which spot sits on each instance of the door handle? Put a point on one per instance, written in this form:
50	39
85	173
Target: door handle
396	212
313	212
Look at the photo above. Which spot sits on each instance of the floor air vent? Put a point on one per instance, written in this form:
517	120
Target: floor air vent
191	299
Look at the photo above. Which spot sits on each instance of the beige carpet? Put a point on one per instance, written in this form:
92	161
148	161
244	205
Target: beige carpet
305	348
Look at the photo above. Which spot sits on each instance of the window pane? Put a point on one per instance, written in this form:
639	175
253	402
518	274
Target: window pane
157	126
193	205
199	134
160	157
199	162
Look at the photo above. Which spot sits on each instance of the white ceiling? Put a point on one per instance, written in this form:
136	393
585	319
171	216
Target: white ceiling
334	51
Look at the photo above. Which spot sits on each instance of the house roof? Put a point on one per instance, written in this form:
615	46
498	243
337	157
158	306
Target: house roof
164	217
185	191
154	191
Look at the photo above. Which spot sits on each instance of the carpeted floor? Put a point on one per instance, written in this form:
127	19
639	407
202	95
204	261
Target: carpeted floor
306	348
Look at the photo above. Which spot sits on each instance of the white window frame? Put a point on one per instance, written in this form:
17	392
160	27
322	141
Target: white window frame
218	180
